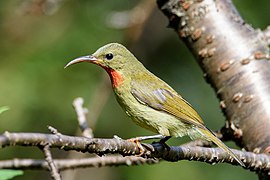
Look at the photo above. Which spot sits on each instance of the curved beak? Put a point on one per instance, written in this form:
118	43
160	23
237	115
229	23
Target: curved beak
90	58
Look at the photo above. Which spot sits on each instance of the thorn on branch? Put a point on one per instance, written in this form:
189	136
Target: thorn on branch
54	130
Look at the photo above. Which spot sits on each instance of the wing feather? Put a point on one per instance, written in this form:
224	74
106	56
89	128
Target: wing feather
160	96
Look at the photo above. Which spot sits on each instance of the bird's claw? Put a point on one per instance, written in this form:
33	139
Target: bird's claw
139	145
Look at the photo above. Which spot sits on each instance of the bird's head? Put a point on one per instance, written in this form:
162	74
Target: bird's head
116	59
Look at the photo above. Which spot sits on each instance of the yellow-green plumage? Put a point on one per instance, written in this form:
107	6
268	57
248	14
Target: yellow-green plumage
150	102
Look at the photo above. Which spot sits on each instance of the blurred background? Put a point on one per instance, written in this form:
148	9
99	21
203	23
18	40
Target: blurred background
38	37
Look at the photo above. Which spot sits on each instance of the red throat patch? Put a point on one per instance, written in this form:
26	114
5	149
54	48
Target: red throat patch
115	76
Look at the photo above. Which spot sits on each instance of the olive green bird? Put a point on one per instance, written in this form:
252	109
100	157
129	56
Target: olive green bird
147	100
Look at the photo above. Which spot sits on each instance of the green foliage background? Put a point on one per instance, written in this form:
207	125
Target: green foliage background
35	47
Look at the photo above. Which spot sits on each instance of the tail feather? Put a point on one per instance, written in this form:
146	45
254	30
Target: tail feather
211	136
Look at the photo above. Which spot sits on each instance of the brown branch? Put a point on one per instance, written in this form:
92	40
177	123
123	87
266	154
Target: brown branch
253	162
66	164
51	165
93	145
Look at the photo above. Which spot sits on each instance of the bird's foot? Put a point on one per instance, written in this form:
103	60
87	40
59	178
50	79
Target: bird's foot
164	139
141	147
163	142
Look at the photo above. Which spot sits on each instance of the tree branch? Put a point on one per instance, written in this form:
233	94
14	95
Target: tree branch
234	58
81	116
93	145
253	162
51	165
267	36
66	164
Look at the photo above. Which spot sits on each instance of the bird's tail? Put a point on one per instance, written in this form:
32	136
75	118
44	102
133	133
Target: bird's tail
211	136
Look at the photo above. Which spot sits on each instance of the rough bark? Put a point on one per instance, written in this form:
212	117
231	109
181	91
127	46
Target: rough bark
235	61
234	58
253	162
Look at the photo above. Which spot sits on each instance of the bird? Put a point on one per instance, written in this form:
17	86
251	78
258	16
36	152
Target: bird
149	101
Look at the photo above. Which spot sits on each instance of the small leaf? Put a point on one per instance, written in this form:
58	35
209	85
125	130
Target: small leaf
3	109
6	174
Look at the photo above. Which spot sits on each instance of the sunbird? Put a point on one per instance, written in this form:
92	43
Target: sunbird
147	100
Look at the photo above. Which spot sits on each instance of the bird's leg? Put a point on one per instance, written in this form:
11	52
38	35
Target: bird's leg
163	142
164	139
143	138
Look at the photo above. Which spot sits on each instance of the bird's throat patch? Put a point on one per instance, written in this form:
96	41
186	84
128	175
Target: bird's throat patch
115	76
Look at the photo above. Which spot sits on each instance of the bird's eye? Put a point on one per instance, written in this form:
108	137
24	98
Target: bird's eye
109	56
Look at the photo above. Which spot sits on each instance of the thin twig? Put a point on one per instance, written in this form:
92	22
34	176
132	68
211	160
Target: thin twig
267	34
66	164
51	166
81	116
95	107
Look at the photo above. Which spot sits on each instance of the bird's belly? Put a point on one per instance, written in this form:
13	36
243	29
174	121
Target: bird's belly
156	121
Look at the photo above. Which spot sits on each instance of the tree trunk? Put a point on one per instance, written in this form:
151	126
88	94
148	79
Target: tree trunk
235	60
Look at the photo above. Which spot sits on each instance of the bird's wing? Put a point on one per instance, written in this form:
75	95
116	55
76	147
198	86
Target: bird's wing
162	97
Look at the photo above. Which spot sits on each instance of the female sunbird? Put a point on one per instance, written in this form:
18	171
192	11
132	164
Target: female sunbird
147	100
